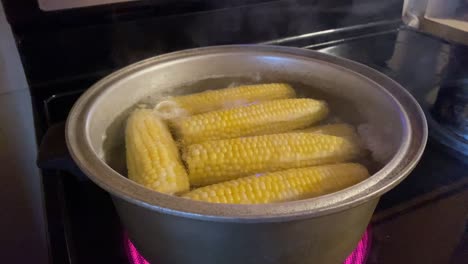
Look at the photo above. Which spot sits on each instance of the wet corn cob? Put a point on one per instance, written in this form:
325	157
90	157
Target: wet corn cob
221	160
223	98
264	118
281	186
338	130
152	156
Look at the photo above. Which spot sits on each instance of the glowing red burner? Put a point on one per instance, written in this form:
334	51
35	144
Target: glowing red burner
358	256
132	252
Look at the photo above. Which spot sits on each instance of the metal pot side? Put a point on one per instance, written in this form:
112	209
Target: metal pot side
165	238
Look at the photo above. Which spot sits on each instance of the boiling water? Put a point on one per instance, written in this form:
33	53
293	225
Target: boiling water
341	110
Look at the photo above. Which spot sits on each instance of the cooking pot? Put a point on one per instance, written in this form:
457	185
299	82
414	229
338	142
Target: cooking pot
169	229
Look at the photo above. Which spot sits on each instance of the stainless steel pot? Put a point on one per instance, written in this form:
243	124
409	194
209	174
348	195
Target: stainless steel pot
168	229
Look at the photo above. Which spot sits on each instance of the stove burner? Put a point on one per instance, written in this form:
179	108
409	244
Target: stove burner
133	254
358	256
360	253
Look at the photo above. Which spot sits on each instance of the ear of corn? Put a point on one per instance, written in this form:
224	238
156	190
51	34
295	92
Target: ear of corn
264	118
220	160
280	186
152	156
223	98
338	130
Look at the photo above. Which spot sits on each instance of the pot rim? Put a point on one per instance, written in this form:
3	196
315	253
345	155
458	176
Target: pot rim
406	158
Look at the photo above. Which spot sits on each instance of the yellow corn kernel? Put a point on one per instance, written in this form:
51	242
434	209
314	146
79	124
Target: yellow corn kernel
223	98
153	159
281	186
338	130
264	118
221	160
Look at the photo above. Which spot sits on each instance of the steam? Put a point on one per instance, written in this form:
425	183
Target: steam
233	22
374	140
168	109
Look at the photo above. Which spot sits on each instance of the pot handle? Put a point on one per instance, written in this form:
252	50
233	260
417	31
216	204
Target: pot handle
53	152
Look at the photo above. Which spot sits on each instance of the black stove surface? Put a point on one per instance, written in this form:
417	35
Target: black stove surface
422	220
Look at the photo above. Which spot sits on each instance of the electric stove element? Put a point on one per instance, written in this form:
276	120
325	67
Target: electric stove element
358	256
360	253
133	254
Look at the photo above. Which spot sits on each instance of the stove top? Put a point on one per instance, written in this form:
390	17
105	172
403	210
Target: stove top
422	220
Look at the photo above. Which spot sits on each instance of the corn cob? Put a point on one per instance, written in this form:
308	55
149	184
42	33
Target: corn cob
281	186
153	159
221	160
223	98
264	118
338	130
